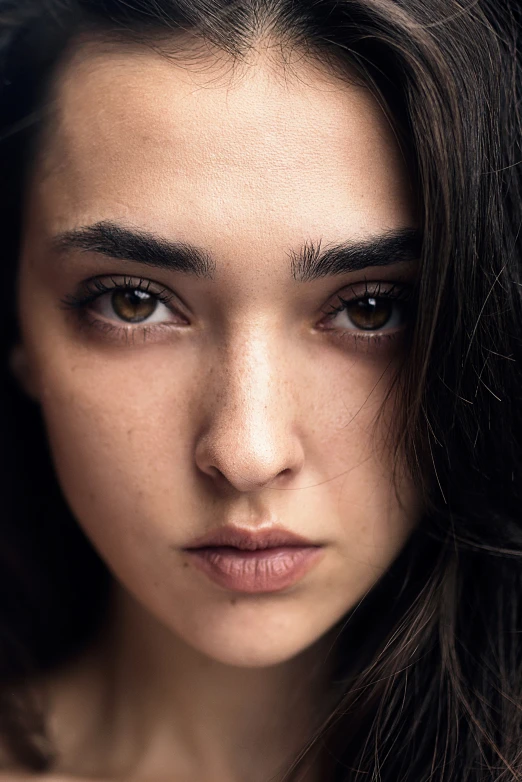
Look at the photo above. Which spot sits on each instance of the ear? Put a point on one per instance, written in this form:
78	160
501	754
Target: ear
22	370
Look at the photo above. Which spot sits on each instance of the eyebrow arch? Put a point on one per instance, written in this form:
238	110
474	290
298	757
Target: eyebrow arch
126	244
307	264
387	249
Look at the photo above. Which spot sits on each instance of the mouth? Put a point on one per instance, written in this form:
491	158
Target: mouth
250	540
254	561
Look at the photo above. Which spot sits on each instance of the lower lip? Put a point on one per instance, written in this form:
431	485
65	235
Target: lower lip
263	570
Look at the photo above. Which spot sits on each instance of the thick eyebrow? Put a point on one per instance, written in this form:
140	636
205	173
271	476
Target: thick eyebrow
392	247
307	264
116	241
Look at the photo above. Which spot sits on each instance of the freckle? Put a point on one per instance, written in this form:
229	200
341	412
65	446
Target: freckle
233	601
185	564
129	432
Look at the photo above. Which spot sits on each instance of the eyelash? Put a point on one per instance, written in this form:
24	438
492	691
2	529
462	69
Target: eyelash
93	289
96	287
395	292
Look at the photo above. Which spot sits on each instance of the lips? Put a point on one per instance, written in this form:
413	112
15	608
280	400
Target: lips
253	561
250	540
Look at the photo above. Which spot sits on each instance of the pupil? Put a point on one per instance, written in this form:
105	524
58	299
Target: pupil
371	313
133	305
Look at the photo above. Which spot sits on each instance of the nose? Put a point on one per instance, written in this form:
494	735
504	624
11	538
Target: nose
250	439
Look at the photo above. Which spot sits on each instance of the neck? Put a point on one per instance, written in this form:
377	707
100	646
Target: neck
142	701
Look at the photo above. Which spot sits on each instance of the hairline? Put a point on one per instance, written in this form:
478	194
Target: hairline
185	48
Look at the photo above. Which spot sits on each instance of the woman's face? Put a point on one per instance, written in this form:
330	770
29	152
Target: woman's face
180	333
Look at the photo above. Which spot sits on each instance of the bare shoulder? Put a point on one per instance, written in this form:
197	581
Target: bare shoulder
18	776
15	776
11	773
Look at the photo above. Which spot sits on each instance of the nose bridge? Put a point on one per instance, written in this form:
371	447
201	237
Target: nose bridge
250	437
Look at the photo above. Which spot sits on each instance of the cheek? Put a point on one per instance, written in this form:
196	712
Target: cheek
367	497
118	431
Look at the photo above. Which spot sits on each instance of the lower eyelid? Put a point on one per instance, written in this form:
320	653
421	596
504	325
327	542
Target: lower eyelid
370	343
364	342
128	334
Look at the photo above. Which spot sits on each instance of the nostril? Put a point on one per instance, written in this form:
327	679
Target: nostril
249	460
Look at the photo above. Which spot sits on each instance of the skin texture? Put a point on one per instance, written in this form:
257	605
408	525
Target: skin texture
249	407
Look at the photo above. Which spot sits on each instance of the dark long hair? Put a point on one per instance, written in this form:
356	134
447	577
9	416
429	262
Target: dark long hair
428	666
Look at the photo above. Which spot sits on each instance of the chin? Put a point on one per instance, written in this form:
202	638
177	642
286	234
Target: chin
250	653
253	634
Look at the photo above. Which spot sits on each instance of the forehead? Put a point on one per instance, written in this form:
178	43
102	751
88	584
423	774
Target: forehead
160	142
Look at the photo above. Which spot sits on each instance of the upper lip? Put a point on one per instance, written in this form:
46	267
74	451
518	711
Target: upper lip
250	540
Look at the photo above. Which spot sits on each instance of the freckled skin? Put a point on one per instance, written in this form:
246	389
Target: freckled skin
250	414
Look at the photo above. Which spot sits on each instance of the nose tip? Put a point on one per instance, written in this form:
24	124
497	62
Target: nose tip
249	460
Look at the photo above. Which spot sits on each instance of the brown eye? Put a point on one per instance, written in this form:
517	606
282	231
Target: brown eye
371	313
133	305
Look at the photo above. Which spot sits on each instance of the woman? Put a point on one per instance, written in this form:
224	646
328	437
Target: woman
261	377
